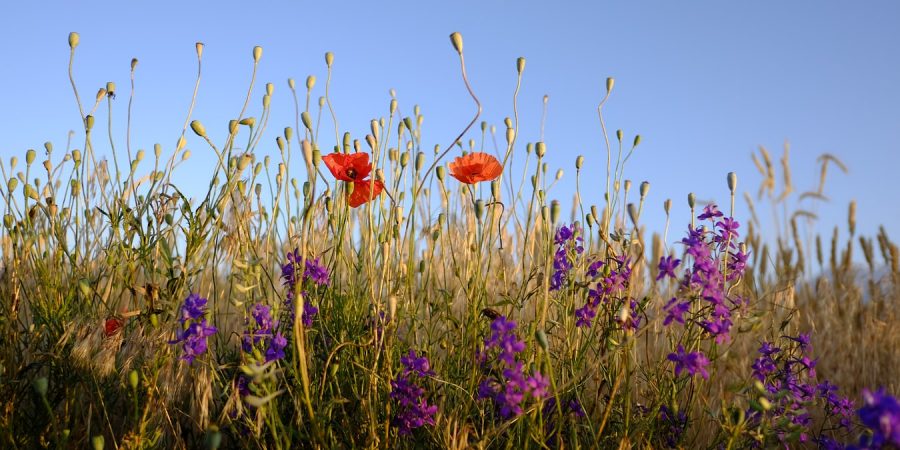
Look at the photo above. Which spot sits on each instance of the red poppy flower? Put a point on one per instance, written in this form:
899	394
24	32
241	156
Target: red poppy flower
112	326
475	167
361	192
348	166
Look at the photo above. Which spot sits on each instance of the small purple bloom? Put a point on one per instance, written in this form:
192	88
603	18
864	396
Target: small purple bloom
667	265
693	362
710	211
881	414
194	334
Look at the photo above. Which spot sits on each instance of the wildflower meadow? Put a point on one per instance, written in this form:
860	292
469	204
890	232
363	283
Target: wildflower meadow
326	290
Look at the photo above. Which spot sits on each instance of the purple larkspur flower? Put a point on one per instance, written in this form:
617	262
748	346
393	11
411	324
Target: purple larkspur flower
667	265
193	308
194	329
317	272
710	211
881	414
694	362
675	311
413	410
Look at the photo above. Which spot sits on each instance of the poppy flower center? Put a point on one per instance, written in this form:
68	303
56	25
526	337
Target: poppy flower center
351	173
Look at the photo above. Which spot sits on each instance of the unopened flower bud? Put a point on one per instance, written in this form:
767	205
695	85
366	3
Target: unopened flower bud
541	149
329	59
199	47
29	156
307	121
692	199
520	64
732	181
610	82
257	53
198	128
645	188
74	39
457	41
554	211
439	172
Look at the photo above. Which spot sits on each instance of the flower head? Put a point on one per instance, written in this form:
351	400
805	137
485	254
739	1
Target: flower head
348	167
693	362
112	326
364	191
475	167
881	413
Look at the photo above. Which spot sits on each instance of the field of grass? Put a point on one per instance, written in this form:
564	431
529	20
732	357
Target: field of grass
377	292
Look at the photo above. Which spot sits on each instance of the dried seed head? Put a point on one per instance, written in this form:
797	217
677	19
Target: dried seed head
667	205
495	189
457	41
420	161
134	63
851	217
633	214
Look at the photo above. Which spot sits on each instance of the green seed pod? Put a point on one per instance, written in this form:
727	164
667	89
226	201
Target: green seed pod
541	149
134	63
75	186
266	101
89	123
484	126
579	162
316	157
633	214
310	82
510	135
589	218
541	338
610	82
370	141
13	162
328	204
559	174
408	122
157	150
420	161
288	133
457	41
619	135
31	192
40	386
198	128
520	64
637	140
270	89
74	39
307	121
169	218
439	171
732	181
180	144
495	189
12	184
8	221
139	156
329	59
257	53
479	209
321	101
545	213
554	211
645	188
29	156
185	155
279	141
133	378
48	165
404	159
692	199
233	126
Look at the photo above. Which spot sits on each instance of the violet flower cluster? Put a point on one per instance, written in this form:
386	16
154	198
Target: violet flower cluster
414	410
880	413
262	332
787	375
506	383
194	328
716	258
694	363
569	247
611	280
314	274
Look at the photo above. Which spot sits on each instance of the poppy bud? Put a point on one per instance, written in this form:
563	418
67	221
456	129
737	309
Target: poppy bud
370	141
329	59
266	101
619	135
541	338
439	171
100	94
610	82
307	122
645	187
559	174
520	64
510	135
8	221
75	186
667	205
633	214
31	192
692	200
541	149
408	122
199	47
185	155
134	62
457	41
420	161
249	121
74	39
257	53
88	123
291	83
732	181
48	165
545	213
29	156
404	159
280	142
579	162
554	211
11	184
321	101
270	89
495	189
157	150
589	218
198	128
637	140
479	209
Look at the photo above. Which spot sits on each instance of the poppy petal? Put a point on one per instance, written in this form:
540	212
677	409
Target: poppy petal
348	167
361	194
475	167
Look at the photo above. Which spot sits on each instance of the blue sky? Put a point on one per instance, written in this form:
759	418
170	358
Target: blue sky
704	83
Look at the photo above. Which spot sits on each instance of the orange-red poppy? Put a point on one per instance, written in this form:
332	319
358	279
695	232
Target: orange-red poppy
354	168
348	166
112	326
361	193
475	167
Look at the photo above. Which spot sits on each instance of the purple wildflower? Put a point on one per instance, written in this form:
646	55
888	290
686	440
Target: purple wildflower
414	410
193	336
316	272
710	211
693	362
675	311
667	265
881	414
